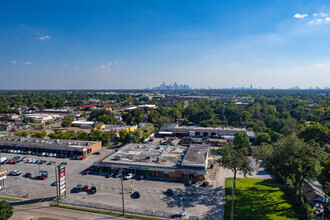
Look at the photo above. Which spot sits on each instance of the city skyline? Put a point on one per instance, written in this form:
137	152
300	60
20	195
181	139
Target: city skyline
136	45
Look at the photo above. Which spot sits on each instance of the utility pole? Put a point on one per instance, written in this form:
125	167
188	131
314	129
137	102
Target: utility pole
122	191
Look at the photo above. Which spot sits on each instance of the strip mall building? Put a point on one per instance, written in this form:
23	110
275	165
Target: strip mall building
62	148
174	162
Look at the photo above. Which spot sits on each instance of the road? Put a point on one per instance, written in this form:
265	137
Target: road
36	208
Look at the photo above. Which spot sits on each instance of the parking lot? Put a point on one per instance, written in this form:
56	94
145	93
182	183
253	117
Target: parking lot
202	202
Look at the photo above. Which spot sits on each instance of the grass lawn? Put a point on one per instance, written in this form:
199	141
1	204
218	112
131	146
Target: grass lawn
145	127
260	199
10	198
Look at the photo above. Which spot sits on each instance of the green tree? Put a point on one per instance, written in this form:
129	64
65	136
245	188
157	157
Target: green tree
103	115
241	141
134	116
293	161
262	137
235	159
6	211
40	127
67	122
40	134
317	132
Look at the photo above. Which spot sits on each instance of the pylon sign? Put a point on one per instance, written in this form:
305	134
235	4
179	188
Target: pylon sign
61	180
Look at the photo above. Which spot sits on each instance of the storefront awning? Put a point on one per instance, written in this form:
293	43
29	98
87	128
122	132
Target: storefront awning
165	132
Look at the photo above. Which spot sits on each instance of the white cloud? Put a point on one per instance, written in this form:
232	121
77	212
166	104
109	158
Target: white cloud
37	33
76	67
321	64
300	15
44	37
116	62
27	63
64	65
105	68
320	20
13	62
320	14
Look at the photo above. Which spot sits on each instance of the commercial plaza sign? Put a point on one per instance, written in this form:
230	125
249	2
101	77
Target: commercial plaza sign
61	177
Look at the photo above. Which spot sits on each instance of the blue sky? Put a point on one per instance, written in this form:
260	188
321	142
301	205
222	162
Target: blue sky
138	44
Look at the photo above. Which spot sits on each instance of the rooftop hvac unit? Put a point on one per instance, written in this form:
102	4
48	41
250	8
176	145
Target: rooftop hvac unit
117	157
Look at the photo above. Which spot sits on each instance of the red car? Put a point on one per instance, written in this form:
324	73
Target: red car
88	172
85	188
41	177
28	175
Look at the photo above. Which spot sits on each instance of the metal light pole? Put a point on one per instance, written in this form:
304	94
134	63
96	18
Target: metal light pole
131	185
122	191
181	206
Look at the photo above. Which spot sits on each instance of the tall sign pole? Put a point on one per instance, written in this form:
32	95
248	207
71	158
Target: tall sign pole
56	184
61	186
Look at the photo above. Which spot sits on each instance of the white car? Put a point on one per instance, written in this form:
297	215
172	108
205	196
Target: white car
129	176
183	212
14	173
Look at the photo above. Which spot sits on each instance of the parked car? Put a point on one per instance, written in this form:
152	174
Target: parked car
183	212
139	177
96	153
41	177
28	175
85	188
118	175
205	184
188	183
170	192
51	162
87	172
3	160
129	176
12	162
136	195
79	188
93	190
14	173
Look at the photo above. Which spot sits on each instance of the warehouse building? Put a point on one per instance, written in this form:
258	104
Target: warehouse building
226	133
59	148
174	162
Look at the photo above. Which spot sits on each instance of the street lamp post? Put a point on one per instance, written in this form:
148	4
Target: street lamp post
131	185
122	191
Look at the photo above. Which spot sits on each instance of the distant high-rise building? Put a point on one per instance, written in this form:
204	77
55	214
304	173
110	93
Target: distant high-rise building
175	86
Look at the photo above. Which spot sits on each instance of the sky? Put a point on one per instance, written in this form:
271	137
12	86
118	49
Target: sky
126	44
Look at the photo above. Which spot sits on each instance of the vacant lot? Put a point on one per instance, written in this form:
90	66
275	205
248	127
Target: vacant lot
260	199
